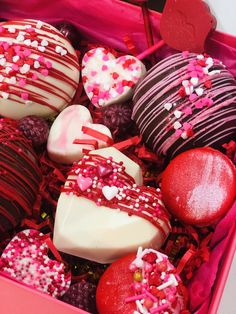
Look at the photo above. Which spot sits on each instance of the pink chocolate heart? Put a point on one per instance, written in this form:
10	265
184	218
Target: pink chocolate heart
84	183
68	127
26	259
108	80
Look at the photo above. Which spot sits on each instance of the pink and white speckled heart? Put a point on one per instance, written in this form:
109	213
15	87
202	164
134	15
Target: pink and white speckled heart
108	80
26	260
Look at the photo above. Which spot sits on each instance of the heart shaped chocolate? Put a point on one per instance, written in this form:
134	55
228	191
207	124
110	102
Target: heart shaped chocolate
108	80
67	127
26	259
185	24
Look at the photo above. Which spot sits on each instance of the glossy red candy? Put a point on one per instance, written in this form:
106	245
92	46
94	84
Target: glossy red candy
199	186
115	286
185	24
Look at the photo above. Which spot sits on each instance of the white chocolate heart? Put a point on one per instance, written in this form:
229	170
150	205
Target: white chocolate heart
108	80
100	233
66	128
109	192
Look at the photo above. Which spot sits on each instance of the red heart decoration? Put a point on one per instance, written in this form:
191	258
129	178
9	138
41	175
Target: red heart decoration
185	24
104	170
26	259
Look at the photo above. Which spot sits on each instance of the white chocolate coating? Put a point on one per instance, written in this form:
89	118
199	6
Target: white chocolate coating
66	128
100	233
108	80
41	71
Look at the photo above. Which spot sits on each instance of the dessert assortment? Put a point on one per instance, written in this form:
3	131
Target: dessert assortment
117	166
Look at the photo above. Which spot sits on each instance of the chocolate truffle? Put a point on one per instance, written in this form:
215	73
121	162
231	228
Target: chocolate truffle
19	176
186	101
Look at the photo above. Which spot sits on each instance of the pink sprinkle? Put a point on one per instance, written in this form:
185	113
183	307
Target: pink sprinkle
120	90
5	45
94	100
34	76
187	126
185	54
104	67
86	58
178	132
159	308
24	96
135	298
22	82
17	49
44	72
30	30
105	58
48	64
191	68
151	296
89	88
27	52
93	73
40	59
187	110
192	97
15	67
199	104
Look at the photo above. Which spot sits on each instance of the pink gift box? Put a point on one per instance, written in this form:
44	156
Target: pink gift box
94	20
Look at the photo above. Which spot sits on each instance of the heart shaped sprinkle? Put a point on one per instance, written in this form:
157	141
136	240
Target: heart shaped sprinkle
84	183
109	192
168	106
104	170
26	259
108	80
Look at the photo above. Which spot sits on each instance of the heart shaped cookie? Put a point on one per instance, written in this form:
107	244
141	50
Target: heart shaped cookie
108	80
185	24
68	127
26	259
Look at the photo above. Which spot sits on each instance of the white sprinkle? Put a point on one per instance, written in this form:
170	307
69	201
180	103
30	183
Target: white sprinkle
194	81
177	125
34	43
185	83
205	70
209	61
28	26
200	57
1	78
3	61
8	70
27	42
199	91
41	48
184	135
11	29
168	106
5	95
177	113
15	58
12	80
39	24
44	42
36	64
58	49
189	90
25	68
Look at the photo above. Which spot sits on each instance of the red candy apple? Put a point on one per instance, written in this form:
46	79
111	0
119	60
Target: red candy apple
199	186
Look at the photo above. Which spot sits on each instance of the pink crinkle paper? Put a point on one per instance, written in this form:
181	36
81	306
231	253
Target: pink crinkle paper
203	280
108	21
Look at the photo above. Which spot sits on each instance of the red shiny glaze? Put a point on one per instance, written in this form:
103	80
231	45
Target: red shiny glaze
199	186
115	286
185	24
